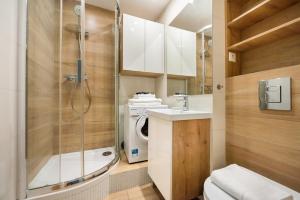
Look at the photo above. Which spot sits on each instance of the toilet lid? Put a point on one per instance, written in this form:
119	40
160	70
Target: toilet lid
142	127
213	192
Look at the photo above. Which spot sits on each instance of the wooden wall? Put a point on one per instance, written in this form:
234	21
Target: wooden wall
282	53
99	121
267	142
42	82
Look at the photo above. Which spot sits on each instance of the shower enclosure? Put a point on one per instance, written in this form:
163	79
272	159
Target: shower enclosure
71	91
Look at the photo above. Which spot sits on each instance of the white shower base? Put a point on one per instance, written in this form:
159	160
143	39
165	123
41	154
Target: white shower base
70	169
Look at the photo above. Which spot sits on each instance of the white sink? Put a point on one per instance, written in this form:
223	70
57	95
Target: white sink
176	115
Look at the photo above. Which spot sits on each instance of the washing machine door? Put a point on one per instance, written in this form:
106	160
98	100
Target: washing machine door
142	127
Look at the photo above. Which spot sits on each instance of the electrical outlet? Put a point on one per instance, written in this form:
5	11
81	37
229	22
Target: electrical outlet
232	57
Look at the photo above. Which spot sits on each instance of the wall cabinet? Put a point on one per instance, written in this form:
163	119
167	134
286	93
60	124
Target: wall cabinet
180	52
133	43
173	55
142	46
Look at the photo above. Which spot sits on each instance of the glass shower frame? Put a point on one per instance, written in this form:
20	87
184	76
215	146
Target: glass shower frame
83	177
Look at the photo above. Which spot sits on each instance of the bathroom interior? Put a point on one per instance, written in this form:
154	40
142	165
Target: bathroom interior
150	99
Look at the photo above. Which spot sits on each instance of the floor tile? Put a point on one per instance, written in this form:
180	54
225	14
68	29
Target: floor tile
123	195
145	192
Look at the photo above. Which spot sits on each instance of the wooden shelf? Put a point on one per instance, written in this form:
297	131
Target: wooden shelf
278	32
259	12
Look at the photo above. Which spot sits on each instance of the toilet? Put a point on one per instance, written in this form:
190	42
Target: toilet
213	192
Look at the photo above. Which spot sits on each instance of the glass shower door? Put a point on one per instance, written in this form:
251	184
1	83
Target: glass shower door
55	92
71	114
42	93
99	121
73	99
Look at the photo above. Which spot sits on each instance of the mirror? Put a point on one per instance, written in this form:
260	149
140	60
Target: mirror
189	50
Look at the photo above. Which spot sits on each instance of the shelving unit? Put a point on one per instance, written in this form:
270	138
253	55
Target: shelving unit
259	12
256	25
284	30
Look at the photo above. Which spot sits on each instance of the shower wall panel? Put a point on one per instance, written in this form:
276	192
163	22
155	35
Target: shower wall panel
99	66
42	82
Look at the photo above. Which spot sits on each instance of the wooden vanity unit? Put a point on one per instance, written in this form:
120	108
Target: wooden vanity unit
178	153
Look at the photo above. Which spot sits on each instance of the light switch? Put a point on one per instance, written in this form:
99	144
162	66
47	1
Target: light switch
232	57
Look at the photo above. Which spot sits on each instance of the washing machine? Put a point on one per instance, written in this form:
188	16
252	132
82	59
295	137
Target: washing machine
136	125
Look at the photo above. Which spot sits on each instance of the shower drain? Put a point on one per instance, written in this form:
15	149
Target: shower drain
106	153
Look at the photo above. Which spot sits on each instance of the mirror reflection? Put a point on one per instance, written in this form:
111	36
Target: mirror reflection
189	50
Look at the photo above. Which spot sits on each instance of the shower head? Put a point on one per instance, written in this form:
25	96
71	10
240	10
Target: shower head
77	10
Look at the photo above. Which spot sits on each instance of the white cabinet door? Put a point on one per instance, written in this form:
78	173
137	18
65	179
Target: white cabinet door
173	50
160	155
133	43
188	51
154	47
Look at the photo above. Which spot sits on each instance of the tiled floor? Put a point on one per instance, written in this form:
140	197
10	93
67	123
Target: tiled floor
145	192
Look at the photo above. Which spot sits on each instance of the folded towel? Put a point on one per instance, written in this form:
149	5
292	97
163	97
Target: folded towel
244	184
144	100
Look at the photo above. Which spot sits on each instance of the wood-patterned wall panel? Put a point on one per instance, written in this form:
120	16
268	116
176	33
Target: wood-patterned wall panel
281	53
42	83
99	60
265	141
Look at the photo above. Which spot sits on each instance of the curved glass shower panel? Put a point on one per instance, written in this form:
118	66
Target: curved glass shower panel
73	101
99	123
71	91
42	93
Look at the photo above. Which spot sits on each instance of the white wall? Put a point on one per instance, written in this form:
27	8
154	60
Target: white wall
172	10
218	125
8	98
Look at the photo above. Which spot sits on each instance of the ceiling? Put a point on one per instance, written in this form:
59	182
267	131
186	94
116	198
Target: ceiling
194	16
147	9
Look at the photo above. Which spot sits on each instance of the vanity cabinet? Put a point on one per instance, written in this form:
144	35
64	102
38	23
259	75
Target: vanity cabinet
178	156
180	52
142	46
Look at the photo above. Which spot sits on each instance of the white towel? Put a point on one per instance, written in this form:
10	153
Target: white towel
244	184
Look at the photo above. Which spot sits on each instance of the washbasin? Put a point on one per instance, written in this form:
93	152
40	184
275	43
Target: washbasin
175	114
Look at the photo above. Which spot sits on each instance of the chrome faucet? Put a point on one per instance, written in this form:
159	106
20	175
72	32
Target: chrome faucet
185	99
